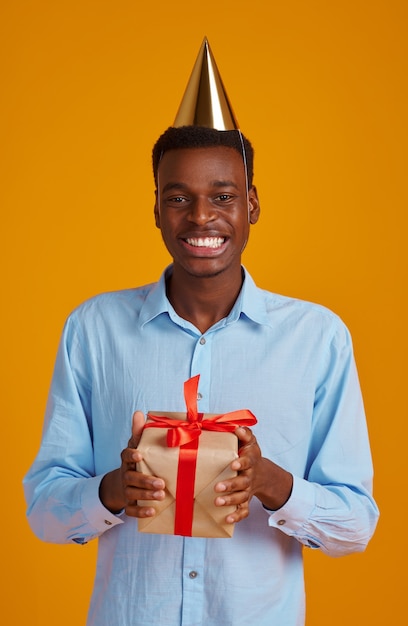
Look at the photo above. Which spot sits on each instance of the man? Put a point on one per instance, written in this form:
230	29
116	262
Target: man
304	471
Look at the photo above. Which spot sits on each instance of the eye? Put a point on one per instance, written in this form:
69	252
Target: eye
176	199
224	197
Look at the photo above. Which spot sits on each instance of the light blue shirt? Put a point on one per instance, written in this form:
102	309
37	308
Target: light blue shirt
291	363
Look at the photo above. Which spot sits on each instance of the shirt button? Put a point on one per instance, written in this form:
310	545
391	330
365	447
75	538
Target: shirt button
202	341
199	396
108	523
281	522
193	574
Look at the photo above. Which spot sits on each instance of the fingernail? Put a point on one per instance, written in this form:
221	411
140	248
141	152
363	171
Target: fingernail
149	512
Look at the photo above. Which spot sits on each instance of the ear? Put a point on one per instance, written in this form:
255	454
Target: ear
156	211
254	207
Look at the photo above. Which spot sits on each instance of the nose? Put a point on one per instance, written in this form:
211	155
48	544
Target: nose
201	211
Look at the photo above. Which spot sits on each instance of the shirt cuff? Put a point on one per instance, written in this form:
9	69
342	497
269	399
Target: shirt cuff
292	517
99	517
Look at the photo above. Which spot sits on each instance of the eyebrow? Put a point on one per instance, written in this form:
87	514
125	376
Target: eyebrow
218	184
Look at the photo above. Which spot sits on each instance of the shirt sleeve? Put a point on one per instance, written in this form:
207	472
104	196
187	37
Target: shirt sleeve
331	507
61	488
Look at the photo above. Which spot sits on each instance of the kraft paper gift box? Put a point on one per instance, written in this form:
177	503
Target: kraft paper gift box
192	452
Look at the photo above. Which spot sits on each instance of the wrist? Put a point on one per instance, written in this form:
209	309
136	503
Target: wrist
275	487
111	492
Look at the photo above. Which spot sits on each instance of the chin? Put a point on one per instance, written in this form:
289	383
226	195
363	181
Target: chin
207	274
206	270
209	268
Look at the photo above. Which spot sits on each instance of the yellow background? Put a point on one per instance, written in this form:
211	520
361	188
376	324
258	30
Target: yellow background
320	88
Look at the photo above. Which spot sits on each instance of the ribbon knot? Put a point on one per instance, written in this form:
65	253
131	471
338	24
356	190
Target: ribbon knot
181	432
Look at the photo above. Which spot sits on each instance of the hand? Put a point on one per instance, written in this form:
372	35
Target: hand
122	488
257	476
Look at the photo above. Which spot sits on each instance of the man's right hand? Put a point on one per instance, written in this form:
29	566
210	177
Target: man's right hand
123	487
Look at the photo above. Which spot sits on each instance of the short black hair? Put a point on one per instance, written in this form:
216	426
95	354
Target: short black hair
202	137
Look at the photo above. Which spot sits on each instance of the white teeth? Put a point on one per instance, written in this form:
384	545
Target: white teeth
206	242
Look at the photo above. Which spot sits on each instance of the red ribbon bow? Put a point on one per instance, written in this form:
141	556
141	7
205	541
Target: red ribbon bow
179	433
186	435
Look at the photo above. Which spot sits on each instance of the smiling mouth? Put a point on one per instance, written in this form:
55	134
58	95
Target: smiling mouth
206	242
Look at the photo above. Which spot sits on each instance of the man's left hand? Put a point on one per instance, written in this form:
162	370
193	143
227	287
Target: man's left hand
257	476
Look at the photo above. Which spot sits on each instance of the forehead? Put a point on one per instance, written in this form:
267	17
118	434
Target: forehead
190	165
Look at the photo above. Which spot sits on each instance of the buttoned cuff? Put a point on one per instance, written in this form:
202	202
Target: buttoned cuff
292	517
98	517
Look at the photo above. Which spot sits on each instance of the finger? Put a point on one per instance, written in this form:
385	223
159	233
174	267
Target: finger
244	435
134	510
233	499
239	483
241	512
130	457
134	494
138	423
143	483
247	445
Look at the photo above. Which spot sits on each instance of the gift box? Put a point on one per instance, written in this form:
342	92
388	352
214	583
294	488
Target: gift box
192	452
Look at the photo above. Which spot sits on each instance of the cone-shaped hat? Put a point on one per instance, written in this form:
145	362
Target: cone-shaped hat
205	102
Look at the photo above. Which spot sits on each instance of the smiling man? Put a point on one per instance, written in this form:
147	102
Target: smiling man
204	210
304	473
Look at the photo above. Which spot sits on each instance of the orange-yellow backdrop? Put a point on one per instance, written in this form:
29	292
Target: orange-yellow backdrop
320	88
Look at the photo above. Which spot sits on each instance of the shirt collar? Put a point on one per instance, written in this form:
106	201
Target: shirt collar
250	302
156	301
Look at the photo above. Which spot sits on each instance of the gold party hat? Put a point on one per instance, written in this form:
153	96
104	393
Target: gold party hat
205	102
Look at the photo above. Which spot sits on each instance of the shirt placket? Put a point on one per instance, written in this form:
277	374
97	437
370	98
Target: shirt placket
195	547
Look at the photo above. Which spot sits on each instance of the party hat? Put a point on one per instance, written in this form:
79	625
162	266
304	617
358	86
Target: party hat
205	102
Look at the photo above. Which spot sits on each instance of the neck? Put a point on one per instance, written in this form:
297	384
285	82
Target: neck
205	300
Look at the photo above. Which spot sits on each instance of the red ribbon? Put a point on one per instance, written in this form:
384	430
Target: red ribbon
186	436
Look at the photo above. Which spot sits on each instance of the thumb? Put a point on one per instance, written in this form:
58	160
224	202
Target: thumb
245	438
138	423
